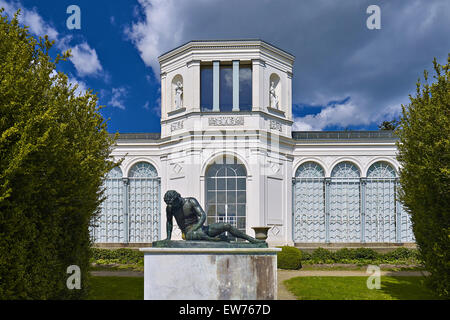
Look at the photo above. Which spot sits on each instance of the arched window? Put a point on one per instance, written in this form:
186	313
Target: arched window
309	203
345	218
226	196
380	203
109	225
144	203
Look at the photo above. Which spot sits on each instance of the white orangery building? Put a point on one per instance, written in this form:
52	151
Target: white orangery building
226	139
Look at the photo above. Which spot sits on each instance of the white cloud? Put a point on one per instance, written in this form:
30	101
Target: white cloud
161	30
85	60
353	112
30	18
342	115
117	99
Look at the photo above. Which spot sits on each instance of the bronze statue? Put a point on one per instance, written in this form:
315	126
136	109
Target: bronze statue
190	218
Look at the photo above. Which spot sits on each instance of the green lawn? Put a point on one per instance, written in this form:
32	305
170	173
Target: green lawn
355	288
307	288
117	288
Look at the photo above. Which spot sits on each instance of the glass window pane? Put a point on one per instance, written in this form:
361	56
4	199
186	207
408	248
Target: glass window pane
226	88
210	184
241	184
221	197
206	87
211	197
231	196
245	87
221	184
241	210
240	171
231	184
241	222
241	196
211	210
231	210
221	210
221	172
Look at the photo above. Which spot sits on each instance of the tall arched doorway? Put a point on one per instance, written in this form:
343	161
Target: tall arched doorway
380	203
144	203
309	203
226	193
345	217
109	225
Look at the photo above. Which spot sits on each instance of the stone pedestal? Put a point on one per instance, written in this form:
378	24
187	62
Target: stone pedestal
210	273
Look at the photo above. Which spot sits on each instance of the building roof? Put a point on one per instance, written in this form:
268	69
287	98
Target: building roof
195	43
343	135
296	135
140	136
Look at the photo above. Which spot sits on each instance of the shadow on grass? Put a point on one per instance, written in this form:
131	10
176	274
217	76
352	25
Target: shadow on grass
407	288
117	288
355	288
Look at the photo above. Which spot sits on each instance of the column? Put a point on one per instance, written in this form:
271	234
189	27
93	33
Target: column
163	96
235	85
159	209
258	66
193	98
363	210
398	212
288	104
294	181
216	87
327	209
125	208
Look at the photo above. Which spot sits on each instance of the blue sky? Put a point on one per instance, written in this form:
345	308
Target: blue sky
345	75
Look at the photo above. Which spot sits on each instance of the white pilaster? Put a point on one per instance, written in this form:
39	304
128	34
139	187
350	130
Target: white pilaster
258	84
216	87
235	85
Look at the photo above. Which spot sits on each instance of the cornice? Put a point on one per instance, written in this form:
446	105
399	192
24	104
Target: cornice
225	44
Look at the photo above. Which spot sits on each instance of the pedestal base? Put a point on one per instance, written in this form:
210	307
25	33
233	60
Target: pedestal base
210	273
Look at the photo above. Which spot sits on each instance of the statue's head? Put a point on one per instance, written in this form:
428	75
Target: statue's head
172	197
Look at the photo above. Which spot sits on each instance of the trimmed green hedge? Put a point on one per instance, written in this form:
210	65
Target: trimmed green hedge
362	256
289	258
119	256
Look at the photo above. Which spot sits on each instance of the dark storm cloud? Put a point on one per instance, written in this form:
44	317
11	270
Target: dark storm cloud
337	56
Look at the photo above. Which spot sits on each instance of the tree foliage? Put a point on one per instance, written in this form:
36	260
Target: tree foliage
424	153
388	125
54	153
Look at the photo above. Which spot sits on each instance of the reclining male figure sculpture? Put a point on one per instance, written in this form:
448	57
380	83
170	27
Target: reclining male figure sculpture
190	218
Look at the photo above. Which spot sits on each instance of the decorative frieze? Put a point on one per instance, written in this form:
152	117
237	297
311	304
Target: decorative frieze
177	125
226	121
275	125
